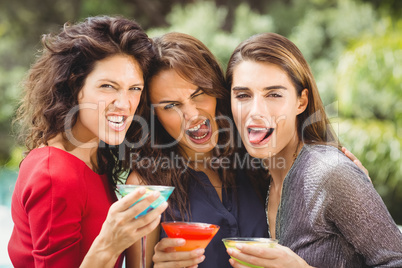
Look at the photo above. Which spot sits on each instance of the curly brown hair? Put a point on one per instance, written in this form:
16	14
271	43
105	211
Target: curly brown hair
55	79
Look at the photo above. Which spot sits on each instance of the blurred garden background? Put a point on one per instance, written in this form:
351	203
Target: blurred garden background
353	46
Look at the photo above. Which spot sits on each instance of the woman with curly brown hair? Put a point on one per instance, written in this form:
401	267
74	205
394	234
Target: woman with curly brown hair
80	98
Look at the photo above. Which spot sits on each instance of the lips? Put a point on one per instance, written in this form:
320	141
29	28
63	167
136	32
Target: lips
259	135
201	132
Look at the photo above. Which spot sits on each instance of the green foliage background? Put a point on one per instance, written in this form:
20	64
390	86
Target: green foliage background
353	46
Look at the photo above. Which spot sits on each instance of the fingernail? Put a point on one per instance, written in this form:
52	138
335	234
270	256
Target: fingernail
142	190
230	251
239	246
201	259
199	251
180	242
156	193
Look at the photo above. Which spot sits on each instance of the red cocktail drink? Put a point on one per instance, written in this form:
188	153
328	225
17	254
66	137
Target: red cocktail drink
197	235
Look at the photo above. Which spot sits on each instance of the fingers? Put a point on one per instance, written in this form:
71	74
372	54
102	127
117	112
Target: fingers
253	255
128	200
151	220
246	258
122	215
168	244
179	263
128	204
349	154
357	162
166	256
235	264
263	252
144	204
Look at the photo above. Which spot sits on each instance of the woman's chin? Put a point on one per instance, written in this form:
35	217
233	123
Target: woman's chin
261	152
114	141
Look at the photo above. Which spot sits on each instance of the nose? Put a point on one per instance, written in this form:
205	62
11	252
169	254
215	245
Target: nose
122	101
259	108
190	111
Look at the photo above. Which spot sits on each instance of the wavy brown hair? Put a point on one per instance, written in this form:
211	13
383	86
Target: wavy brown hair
313	125
193	61
55	79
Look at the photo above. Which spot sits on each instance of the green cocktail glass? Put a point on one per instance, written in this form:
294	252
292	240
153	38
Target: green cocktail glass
254	241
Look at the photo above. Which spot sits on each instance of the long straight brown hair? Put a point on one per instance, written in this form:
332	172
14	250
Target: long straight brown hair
313	125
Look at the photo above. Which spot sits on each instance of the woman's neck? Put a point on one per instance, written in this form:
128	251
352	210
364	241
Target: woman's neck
283	161
199	161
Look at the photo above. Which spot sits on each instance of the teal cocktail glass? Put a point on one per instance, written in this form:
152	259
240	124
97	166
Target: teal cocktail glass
166	191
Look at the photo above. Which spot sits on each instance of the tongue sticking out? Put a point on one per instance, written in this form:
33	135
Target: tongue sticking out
256	136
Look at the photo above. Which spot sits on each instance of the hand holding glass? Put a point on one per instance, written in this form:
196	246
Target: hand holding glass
261	242
165	191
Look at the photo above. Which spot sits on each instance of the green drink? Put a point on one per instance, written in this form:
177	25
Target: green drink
260	242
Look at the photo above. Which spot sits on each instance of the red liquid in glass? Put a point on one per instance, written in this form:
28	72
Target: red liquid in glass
197	235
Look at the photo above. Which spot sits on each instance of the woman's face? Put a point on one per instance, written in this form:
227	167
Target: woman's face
264	105
185	111
108	100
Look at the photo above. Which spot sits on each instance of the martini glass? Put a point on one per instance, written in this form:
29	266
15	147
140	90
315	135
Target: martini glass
196	234
261	242
125	189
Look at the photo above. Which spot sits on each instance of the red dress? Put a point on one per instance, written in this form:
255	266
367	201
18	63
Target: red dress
58	207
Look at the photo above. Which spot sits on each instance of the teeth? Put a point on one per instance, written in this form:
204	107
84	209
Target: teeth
258	128
201	137
116	119
198	126
116	124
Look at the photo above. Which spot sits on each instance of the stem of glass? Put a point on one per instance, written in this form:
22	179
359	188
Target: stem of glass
143	262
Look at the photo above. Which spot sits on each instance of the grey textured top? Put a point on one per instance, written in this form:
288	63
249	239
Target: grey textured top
331	216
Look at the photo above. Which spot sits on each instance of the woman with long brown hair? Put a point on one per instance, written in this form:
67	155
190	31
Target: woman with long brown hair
80	98
189	142
322	208
190	146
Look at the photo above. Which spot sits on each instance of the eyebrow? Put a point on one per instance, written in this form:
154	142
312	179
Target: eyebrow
116	83
195	92
191	96
265	88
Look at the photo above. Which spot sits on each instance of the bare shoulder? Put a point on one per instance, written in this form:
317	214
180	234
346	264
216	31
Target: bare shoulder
134	178
57	142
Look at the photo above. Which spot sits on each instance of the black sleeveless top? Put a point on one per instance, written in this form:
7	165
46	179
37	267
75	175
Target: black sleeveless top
241	213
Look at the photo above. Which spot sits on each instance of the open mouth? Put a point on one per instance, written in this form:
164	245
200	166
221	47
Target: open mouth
259	135
201	132
117	123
